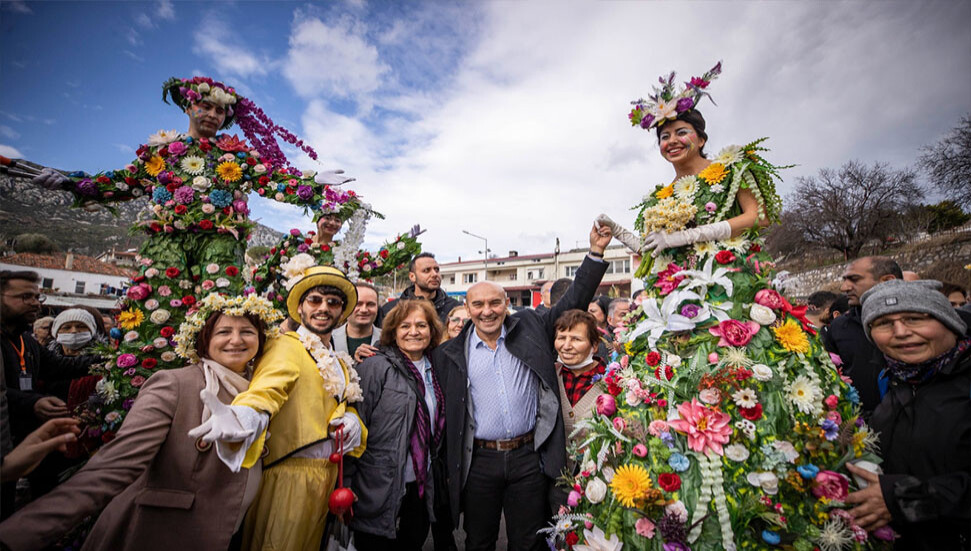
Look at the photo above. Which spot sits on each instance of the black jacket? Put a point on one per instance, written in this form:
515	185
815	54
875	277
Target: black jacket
529	337
862	361
388	411
925	439
45	368
443	304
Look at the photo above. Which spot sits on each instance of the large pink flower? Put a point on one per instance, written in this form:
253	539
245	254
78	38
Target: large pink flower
832	486
770	298
735	333
667	281
705	428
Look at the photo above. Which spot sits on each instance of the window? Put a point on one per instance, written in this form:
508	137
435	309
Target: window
470	278
513	276
451	280
539	274
529	275
571	271
79	288
48	283
621	266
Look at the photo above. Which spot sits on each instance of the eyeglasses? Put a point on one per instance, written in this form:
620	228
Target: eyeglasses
910	321
455	319
317	300
28	297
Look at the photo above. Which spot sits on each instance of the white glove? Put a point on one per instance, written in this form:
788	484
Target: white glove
659	241
352	431
332	178
621	234
51	179
225	423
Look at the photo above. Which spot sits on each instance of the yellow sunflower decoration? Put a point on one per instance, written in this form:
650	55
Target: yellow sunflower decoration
130	319
713	174
665	192
792	337
229	171
631	484
154	165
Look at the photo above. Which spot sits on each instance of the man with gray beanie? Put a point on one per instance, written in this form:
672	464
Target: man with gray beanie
924	420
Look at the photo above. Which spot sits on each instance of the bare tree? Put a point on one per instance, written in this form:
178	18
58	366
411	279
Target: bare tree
847	208
948	163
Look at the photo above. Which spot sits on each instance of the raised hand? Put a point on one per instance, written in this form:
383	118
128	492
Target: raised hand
51	179
332	178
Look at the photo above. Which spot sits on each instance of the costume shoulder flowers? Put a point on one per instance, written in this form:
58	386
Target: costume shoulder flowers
709	196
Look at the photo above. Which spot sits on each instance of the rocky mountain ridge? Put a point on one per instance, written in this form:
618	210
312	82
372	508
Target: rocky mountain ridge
26	208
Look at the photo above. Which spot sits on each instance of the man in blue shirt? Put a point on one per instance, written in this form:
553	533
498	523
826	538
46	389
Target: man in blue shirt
504	436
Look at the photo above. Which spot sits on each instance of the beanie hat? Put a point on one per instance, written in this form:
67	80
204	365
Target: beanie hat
896	295
74	314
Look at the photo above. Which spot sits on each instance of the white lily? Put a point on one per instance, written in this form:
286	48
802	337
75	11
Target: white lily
598	541
706	277
666	318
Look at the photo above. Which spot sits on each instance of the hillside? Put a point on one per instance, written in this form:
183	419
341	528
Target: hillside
26	208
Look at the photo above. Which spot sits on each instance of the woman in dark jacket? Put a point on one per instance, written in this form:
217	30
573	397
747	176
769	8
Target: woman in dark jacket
924	421
403	408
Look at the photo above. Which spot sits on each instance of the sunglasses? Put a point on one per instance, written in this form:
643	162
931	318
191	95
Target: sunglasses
317	300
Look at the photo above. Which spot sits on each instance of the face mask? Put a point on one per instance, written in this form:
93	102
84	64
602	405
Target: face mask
582	365
74	341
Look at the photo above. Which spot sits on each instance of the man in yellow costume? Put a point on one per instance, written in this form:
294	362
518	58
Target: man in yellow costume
304	389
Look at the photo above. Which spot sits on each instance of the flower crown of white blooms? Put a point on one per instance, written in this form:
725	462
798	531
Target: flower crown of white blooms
199	89
235	306
294	268
666	104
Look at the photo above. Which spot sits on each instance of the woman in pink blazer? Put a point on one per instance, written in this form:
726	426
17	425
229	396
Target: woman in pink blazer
155	486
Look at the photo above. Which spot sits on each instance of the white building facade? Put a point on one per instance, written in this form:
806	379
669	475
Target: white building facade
523	275
71	274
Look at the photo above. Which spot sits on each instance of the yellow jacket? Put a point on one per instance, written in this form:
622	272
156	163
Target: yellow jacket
287	386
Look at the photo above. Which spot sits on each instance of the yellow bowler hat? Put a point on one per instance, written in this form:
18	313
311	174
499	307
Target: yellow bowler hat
321	275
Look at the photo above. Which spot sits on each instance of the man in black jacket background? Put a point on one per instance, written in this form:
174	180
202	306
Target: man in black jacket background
27	367
504	437
426	283
862	362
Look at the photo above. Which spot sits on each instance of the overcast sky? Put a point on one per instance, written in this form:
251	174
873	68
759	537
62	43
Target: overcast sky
507	119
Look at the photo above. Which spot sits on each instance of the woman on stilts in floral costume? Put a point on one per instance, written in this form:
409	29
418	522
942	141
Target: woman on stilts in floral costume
725	425
197	223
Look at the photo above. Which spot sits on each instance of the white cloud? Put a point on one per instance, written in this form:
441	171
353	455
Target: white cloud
528	139
10	151
17	6
331	60
144	21
134	56
225	48
165	10
8	132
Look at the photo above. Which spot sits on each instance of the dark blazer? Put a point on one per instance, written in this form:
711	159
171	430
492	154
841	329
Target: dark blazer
862	361
529	337
44	367
388	411
925	442
154	488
